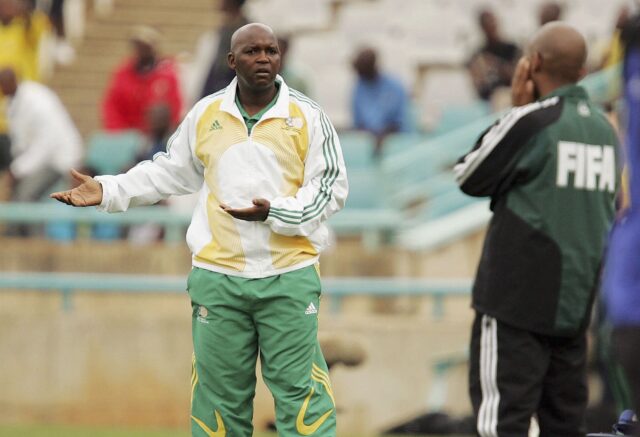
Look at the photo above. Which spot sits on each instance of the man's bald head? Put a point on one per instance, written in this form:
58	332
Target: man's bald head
250	32
255	57
558	51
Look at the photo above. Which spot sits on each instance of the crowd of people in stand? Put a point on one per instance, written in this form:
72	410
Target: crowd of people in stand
147	83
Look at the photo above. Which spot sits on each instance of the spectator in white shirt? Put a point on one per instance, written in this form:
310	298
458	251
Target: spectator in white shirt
45	143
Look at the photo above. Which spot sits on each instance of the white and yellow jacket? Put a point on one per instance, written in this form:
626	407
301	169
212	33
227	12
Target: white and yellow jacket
292	158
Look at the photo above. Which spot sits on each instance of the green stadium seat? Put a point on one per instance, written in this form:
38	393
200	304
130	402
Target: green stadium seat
454	117
357	149
446	203
113	152
365	190
421	191
401	142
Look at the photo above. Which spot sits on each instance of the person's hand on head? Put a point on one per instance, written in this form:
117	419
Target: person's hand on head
256	213
88	192
522	87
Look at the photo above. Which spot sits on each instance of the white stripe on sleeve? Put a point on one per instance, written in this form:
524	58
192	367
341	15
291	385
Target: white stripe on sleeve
493	137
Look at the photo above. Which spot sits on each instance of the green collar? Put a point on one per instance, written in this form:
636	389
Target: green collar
251	120
571	91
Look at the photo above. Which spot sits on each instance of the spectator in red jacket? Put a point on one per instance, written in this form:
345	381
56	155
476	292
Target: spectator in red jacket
140	82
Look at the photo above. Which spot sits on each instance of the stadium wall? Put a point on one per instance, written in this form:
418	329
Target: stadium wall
124	359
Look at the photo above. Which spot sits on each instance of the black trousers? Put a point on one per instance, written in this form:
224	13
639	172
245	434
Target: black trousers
626	345
515	374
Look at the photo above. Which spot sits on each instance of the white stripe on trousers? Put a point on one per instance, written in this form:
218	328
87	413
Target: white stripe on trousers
488	414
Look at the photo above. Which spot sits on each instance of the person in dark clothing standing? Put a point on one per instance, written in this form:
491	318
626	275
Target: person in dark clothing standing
550	168
492	66
220	74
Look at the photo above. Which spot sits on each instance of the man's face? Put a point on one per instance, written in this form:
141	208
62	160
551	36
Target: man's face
549	12
8	86
365	64
8	10
489	25
143	51
256	59
229	6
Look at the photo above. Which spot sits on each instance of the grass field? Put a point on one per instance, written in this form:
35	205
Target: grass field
75	431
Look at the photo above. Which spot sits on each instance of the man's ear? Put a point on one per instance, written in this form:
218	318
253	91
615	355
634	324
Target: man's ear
583	72
535	62
231	60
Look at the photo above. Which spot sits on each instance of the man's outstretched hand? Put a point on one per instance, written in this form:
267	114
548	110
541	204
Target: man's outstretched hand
88	191
257	213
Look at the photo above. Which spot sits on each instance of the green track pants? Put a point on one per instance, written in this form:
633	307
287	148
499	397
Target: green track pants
234	319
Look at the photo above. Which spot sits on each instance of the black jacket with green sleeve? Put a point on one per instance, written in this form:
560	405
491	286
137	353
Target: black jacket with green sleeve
550	168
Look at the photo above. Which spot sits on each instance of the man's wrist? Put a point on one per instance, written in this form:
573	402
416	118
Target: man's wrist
104	201
268	210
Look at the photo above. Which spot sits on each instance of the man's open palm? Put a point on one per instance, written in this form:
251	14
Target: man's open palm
87	193
256	213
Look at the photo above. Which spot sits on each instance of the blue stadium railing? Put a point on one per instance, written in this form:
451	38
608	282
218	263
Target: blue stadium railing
348	222
336	288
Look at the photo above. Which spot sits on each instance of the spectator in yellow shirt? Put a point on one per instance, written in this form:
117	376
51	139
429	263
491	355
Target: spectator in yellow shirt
21	32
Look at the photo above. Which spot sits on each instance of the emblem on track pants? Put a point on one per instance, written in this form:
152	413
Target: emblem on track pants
309	429
221	432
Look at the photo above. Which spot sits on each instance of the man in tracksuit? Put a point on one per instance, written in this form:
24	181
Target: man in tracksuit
270	171
549	166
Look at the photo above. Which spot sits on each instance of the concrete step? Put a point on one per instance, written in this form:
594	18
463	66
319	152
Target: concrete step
69	93
162	16
178	32
96	65
209	5
118	49
75	77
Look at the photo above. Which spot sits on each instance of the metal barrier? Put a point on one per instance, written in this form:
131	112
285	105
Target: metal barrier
347	222
337	288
